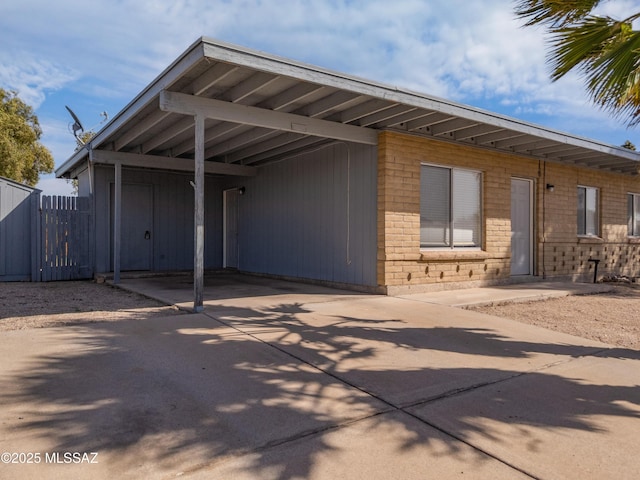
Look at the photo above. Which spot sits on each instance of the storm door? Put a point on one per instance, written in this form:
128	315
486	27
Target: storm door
521	226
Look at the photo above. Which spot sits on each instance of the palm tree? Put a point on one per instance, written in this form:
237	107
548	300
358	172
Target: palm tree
605	50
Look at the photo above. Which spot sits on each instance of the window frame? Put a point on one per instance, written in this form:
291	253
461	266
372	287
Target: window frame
631	219
451	226
597	226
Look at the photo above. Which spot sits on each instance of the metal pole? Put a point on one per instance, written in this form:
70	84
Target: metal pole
198	268
117	222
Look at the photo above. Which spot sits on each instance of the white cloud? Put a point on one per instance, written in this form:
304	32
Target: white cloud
32	77
100	54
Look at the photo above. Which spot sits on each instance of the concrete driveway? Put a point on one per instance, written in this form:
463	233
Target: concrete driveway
279	380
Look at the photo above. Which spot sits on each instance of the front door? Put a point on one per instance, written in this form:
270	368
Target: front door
230	235
136	248
521	226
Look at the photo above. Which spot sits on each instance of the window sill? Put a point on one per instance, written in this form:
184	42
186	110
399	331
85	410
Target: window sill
456	255
633	240
590	239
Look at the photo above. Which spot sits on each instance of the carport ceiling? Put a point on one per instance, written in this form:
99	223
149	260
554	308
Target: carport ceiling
261	108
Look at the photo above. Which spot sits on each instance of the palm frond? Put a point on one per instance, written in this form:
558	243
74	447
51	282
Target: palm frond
554	13
607	53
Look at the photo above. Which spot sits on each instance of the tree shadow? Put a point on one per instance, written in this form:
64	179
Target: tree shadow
184	392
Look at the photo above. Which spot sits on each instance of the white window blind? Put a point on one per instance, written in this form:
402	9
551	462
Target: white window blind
449	202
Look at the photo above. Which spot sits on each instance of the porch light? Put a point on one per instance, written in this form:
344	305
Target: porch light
550	187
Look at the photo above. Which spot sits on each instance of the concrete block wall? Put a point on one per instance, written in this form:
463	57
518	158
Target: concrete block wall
558	252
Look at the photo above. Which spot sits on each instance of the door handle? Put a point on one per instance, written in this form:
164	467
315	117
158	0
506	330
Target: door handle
147	235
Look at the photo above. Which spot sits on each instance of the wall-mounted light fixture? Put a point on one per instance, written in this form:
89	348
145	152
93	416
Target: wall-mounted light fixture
241	190
550	187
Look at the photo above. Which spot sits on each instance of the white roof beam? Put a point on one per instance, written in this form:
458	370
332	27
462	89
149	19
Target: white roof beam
383	115
211	77
328	103
173	131
259	117
238	141
210	135
423	122
169	163
290	96
450	126
268	145
249	86
141	127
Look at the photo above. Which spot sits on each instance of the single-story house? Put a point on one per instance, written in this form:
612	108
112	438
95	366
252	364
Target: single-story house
234	158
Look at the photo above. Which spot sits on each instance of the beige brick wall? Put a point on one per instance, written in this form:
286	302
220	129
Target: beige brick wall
559	252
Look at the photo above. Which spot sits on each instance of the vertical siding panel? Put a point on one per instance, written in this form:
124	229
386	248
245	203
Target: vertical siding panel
295	214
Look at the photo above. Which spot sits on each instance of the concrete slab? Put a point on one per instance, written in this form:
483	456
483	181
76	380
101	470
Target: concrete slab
153	396
405	351
575	420
283	380
389	446
508	293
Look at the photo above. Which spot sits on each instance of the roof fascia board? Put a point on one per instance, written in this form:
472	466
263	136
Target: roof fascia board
106	157
281	66
260	117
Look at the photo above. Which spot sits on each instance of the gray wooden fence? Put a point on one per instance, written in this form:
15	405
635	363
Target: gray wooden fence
65	235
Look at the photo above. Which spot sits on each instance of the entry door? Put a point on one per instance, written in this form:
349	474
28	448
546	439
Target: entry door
230	235
521	226
136	247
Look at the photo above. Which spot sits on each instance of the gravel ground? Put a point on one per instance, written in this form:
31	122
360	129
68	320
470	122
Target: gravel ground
52	304
612	317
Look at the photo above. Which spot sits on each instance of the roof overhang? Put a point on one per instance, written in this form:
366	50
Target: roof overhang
260	108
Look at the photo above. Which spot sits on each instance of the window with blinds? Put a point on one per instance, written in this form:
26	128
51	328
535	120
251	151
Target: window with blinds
588	215
450	206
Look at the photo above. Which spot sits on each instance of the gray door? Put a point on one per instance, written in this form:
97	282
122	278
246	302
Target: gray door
137	227
230	259
521	226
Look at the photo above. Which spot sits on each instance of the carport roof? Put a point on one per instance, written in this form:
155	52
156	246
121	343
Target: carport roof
260	108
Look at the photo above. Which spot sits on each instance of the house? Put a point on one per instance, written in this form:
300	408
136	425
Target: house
237	159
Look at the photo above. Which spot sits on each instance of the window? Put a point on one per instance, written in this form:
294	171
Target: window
450	208
588	218
633	215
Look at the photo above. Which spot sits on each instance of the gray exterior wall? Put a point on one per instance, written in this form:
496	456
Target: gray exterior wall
171	214
17	204
313	216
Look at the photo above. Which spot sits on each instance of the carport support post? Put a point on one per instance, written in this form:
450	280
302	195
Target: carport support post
117	221
198	261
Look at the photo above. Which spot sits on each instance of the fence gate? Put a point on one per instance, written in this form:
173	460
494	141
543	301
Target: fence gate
65	236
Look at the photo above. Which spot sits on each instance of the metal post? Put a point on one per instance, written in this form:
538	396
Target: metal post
198	268
117	222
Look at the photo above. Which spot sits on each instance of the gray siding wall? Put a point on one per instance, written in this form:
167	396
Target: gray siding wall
16	236
172	231
313	216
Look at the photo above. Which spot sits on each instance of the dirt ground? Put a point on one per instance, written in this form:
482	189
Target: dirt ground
34	305
613	317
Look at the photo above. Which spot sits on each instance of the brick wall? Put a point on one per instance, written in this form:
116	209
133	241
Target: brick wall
559	252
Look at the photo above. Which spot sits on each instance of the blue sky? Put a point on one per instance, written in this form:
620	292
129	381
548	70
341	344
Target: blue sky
96	55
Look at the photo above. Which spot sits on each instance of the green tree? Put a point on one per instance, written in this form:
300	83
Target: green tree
628	145
22	157
606	51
